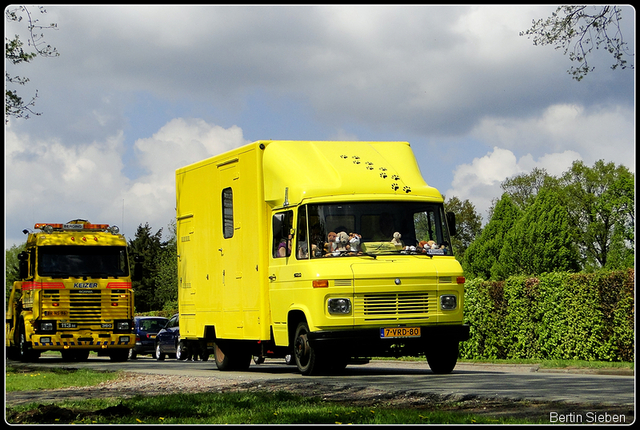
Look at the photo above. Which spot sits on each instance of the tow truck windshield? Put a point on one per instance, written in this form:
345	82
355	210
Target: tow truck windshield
82	261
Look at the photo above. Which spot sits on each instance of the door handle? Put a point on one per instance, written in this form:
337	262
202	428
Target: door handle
272	278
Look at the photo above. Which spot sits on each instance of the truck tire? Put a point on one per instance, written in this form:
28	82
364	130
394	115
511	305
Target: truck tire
24	348
308	360
119	355
443	359
225	361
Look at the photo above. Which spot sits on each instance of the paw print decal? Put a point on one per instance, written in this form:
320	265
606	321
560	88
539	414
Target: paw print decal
383	175
395	186
395	177
344	157
406	190
356	159
369	165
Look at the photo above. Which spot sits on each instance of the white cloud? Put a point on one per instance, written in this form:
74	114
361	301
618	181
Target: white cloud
479	182
178	143
591	132
552	140
53	182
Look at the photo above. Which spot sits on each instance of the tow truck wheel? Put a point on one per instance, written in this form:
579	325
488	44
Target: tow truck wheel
25	351
119	355
308	360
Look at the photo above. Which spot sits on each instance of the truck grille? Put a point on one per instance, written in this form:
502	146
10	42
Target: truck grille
85	306
393	306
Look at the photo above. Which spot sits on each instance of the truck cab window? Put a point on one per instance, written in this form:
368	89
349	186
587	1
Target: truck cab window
282	237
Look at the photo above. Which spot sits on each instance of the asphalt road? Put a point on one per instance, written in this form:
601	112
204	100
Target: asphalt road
521	382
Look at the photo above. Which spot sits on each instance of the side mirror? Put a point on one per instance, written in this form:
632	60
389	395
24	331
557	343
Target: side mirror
23	265
451	222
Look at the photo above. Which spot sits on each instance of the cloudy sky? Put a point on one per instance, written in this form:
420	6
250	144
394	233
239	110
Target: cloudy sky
140	91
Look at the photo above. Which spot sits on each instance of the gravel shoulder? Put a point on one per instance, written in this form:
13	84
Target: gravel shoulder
136	384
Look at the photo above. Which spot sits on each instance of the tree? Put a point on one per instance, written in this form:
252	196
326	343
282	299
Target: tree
166	277
539	242
468	224
15	106
148	246
483	252
11	266
600	205
524	188
578	30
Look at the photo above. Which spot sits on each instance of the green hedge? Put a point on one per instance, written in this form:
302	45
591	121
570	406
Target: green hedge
554	316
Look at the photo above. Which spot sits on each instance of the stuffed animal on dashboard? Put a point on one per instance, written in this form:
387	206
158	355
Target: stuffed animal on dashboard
330	245
396	239
342	240
354	243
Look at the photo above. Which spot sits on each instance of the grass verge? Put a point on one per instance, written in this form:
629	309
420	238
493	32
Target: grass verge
279	407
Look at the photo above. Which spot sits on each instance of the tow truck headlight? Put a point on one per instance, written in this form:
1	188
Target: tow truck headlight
448	302
339	306
46	327
122	326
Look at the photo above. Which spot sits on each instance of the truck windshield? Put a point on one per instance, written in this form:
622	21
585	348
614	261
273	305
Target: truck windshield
82	261
373	228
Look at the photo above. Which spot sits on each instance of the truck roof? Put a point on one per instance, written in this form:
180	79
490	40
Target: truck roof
334	169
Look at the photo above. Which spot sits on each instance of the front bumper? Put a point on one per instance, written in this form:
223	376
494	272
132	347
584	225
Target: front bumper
367	342
91	341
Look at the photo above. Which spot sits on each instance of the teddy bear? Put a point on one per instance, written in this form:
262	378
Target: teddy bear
422	246
342	240
330	245
354	243
396	239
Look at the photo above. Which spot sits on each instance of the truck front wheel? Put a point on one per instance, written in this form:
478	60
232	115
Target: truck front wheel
308	360
24	347
443	358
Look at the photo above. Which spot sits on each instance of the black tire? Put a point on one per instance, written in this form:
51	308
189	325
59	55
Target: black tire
24	348
443	359
234	361
181	351
119	355
309	361
159	354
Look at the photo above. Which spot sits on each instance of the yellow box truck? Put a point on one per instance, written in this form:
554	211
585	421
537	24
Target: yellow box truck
331	252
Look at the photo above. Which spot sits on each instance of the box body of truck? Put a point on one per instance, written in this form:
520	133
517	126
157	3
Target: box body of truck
74	295
329	251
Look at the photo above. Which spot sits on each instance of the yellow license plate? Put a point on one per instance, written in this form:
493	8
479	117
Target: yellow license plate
400	332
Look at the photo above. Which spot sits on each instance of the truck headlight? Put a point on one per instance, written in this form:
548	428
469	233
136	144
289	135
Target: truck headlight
47	327
448	302
122	326
339	306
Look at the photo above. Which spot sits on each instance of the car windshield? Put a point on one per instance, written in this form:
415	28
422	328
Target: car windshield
372	228
152	326
81	261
